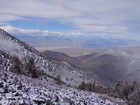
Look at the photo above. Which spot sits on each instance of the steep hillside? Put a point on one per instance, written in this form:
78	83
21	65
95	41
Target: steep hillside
23	90
108	66
33	63
62	57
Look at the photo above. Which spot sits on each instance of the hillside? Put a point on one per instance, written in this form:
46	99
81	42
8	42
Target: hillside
30	60
107	65
28	77
17	89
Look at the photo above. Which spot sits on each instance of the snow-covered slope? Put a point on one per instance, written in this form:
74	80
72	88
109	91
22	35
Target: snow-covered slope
13	47
19	62
21	89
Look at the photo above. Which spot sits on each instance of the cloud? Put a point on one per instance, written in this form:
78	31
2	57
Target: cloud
43	33
88	16
26	32
5	18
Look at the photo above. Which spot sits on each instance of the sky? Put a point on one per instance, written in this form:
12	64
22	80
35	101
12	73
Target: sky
117	18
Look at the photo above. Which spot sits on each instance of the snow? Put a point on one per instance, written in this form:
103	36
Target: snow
22	89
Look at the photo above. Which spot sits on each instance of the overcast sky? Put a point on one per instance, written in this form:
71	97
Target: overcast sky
100	17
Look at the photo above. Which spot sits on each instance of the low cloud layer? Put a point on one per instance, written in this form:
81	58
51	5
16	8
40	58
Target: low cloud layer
102	16
26	32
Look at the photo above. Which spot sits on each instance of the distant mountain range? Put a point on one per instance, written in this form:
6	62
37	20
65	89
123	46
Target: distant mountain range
84	41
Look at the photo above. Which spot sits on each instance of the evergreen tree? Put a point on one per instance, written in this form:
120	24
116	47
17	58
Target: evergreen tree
16	65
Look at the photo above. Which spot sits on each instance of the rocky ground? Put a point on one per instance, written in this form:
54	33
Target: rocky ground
22	90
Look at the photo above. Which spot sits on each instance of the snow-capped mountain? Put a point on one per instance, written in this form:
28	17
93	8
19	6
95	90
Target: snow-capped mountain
34	63
47	39
85	41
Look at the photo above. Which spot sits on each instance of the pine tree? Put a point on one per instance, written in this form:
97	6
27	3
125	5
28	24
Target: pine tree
16	65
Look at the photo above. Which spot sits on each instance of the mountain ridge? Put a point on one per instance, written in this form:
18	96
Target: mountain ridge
104	66
25	53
